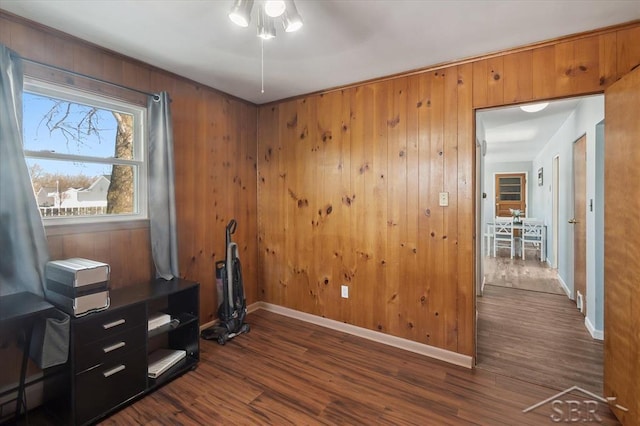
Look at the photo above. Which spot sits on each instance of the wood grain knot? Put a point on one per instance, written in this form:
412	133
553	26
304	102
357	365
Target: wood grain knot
393	122
401	154
419	104
496	76
410	324
582	68
346	200
303	203
329	209
291	124
427	212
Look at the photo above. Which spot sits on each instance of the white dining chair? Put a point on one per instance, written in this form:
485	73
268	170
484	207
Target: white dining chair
503	235
533	235
488	238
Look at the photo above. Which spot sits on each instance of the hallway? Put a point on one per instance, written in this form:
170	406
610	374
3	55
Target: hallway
537	337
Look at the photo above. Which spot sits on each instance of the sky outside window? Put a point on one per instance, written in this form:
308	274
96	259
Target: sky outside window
37	136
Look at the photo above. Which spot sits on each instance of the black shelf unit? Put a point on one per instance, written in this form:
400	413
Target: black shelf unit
109	350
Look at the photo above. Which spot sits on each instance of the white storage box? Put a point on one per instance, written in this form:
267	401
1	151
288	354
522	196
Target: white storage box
78	286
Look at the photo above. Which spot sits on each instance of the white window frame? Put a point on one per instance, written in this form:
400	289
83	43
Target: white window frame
139	162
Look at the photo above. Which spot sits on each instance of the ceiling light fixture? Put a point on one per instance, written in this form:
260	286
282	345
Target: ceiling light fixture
274	8
269	11
534	107
266	26
240	13
291	19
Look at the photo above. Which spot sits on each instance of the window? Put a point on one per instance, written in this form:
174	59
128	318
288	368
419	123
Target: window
85	154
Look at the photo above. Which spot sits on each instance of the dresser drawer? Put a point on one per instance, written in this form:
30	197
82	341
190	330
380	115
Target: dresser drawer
103	388
104	351
105	324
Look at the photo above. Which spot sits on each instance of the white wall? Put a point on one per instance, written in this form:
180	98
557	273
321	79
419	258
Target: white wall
588	114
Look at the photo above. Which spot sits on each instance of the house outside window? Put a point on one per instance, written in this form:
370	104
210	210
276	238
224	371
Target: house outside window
85	154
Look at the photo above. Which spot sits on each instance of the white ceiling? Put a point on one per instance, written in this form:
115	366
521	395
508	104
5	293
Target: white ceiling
515	135
342	41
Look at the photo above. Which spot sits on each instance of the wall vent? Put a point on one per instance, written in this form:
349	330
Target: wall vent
579	301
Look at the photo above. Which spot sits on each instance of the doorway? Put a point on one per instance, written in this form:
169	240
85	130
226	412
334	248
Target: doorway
519	322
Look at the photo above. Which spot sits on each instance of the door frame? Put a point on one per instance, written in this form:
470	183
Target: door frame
555	202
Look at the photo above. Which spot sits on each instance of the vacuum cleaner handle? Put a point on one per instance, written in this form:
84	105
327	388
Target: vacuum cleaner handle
231	227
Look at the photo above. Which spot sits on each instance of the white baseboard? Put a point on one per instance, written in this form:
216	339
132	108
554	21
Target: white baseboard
376	336
251	308
565	287
254	307
595	333
209	324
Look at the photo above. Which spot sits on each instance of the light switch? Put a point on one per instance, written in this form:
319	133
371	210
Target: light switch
345	292
444	199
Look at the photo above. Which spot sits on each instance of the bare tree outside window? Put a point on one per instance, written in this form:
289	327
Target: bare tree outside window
82	158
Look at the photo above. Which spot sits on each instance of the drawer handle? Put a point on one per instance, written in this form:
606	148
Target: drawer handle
113	324
114	347
114	370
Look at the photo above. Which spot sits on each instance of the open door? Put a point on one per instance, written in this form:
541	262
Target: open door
579	222
622	248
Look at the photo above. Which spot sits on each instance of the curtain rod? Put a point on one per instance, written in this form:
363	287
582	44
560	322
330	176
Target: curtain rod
99	80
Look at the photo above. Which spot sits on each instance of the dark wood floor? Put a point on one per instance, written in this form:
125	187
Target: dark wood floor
538	337
289	372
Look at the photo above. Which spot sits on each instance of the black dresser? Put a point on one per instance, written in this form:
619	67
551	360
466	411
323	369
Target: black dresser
109	350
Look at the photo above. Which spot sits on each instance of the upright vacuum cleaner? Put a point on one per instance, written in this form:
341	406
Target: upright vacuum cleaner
232	308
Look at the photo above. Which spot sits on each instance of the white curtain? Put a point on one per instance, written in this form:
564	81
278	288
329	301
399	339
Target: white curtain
23	240
162	203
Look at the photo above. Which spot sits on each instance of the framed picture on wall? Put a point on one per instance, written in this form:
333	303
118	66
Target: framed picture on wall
540	176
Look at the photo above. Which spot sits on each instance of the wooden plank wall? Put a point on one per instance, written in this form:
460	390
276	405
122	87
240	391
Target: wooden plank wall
215	145
349	179
621	265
